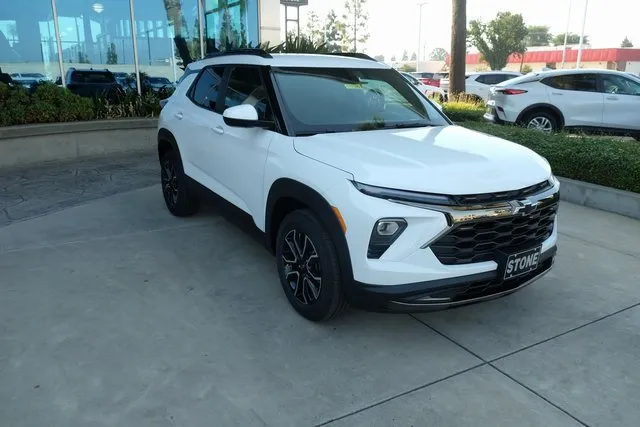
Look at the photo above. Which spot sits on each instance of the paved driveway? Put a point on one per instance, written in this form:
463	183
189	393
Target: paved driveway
114	313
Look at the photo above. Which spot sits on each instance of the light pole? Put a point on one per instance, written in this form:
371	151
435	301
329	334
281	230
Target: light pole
566	35
584	23
419	34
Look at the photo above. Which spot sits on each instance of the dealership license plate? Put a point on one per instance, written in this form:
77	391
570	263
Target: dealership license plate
522	263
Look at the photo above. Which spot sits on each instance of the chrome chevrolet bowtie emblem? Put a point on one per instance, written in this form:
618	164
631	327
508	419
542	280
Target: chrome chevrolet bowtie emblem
522	207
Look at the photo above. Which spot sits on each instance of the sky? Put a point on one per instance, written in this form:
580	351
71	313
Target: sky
393	24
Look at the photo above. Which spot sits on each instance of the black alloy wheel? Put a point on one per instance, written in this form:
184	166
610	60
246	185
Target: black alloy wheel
302	268
309	267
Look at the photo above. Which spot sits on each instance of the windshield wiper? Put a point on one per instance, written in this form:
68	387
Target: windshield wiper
311	133
408	125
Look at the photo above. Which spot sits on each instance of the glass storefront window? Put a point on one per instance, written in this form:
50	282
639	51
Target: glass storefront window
168	34
28	50
96	34
230	23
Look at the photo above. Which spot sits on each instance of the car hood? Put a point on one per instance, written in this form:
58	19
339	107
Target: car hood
441	159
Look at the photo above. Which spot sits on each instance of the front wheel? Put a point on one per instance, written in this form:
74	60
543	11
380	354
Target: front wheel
308	267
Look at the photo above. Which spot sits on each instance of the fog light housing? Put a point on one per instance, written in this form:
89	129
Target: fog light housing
385	232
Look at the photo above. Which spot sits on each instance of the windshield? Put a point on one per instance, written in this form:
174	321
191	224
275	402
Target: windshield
92	77
159	80
322	100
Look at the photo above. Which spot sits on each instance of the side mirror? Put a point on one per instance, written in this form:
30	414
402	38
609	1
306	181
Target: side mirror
245	116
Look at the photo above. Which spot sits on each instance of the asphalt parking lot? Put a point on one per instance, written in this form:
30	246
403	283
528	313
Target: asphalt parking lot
115	313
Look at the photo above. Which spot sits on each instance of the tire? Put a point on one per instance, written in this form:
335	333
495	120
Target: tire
309	270
541	120
175	186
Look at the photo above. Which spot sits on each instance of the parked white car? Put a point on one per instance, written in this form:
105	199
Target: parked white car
479	83
591	100
428	90
365	192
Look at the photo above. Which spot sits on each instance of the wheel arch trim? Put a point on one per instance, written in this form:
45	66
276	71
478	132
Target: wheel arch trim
292	189
541	106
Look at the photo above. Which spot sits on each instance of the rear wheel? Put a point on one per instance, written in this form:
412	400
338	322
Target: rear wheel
308	267
177	196
542	121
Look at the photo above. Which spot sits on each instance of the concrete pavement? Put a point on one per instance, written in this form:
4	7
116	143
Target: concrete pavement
114	313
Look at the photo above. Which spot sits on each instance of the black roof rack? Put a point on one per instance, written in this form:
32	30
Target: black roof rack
258	52
353	55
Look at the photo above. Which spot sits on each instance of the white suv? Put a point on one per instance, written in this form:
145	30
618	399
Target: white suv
479	84
365	191
590	100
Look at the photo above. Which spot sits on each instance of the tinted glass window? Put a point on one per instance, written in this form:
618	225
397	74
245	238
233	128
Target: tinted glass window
620	85
205	91
95	77
246	87
320	100
577	82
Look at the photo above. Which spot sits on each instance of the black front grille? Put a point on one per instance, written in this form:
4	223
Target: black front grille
479	241
503	196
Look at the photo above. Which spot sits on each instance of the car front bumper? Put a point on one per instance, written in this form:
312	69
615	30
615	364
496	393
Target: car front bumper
444	293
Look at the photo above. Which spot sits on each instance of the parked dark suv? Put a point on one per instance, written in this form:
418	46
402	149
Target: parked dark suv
93	83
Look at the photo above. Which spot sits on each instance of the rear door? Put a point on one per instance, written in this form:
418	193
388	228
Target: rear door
621	102
201	117
578	98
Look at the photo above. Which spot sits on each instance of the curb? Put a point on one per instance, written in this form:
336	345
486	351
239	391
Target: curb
35	144
598	197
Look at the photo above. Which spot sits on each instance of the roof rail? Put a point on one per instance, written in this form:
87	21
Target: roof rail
258	52
352	55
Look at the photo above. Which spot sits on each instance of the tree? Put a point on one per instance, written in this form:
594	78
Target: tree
393	58
438	54
379	58
498	39
314	28
414	57
356	19
112	55
83	58
538	35
626	43
458	47
334	31
405	55
558	39
408	68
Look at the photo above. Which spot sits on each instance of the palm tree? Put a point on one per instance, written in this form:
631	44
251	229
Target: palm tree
458	47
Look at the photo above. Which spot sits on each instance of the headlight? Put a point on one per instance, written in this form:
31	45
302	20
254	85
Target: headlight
404	195
384	233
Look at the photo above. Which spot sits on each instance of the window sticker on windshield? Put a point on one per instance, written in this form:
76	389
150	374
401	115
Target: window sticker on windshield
353	85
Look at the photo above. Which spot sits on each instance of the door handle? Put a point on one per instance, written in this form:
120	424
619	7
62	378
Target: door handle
179	116
612	98
218	130
556	93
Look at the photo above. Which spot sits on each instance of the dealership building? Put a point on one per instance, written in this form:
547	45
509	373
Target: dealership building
49	36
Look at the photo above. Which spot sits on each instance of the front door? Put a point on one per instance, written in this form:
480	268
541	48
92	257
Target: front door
621	102
577	97
246	149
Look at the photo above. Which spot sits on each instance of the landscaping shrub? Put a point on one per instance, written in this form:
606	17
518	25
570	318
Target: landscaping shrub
463	111
607	161
49	103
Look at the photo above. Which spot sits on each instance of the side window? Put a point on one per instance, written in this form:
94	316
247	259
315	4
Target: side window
503	78
620	85
485	79
206	88
576	82
246	87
